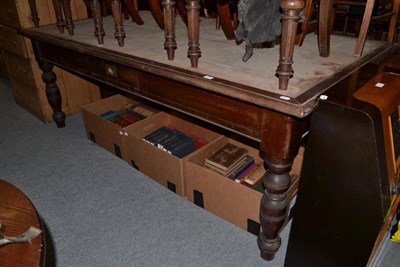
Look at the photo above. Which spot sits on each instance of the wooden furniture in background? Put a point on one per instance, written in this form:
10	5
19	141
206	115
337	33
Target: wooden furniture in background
17	215
227	23
326	19
391	13
117	14
351	171
16	60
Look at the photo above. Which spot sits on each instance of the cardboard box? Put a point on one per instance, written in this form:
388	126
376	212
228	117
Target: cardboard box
103	132
164	168
222	196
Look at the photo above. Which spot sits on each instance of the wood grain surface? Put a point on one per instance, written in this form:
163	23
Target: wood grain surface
17	214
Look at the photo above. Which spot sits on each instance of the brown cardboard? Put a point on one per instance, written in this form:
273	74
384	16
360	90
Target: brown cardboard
164	168
103	132
231	201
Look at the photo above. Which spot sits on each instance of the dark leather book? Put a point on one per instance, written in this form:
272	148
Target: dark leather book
227	156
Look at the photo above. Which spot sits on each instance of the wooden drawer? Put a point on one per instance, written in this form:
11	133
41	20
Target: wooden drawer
19	68
28	98
111	73
12	42
9	14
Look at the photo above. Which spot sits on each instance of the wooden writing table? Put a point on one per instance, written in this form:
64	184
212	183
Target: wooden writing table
223	90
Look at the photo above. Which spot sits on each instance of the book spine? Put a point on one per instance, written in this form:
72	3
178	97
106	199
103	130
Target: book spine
248	162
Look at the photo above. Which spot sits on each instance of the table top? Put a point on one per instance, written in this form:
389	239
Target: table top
221	69
17	215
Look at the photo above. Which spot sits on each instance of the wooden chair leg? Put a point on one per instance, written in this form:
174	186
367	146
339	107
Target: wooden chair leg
182	10
324	28
225	20
169	32
393	21
130	6
193	15
118	20
88	8
157	13
59	16
105	8
98	20
69	23
305	24
364	28
35	17
290	20
125	11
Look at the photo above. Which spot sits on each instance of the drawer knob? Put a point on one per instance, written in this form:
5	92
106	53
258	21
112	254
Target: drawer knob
111	70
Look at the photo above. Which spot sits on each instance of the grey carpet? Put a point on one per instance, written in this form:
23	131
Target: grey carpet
100	211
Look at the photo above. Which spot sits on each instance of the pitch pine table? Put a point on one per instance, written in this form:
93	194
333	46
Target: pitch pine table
277	121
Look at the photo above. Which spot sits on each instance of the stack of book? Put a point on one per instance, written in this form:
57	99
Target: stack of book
227	160
129	115
252	175
237	164
174	141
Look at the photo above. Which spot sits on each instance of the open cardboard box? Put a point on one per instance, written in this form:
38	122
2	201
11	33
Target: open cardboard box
103	132
224	197
164	168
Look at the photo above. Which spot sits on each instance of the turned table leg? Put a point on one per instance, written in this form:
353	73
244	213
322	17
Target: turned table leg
59	16
35	17
290	19
98	20
280	140
193	17
52	92
169	31
118	20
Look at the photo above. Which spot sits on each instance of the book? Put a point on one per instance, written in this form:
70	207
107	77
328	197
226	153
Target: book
171	141
122	117
242	167
121	122
227	156
256	175
132	116
109	115
141	109
246	172
184	147
149	138
158	135
228	172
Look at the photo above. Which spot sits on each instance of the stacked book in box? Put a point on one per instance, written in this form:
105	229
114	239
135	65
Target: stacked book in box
235	163
129	115
174	141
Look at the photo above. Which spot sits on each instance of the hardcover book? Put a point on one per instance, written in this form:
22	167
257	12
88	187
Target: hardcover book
249	160
256	175
227	157
227	172
171	141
